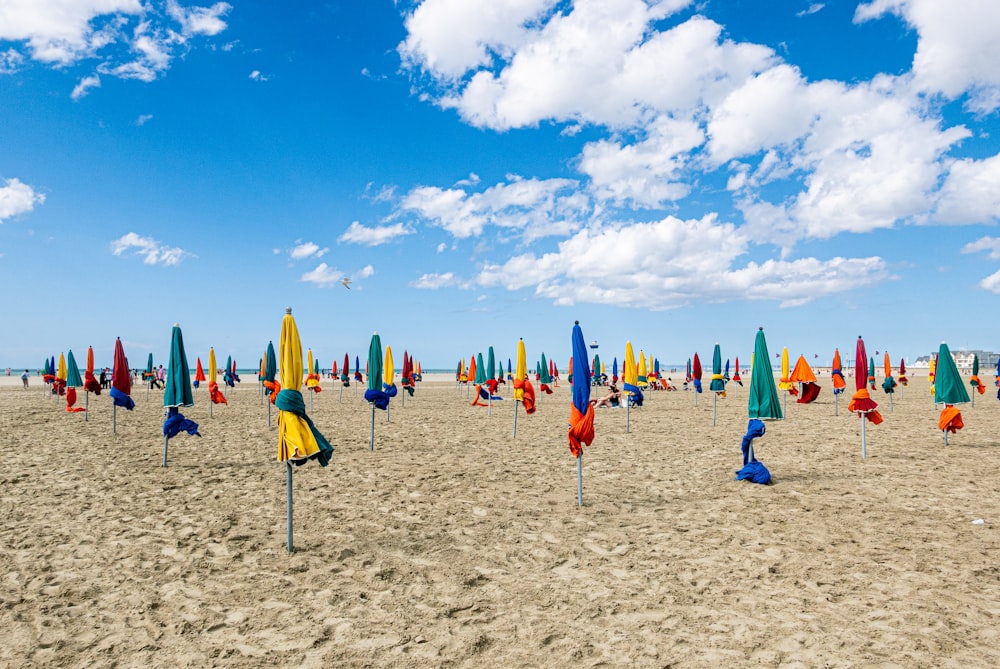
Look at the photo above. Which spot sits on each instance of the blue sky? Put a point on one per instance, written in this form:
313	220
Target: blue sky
672	173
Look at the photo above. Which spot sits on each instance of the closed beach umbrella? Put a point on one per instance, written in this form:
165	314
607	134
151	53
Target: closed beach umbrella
902	372
121	385
949	390
345	373
837	373
736	372
871	373
90	383
861	402
974	381
177	392
784	381
718	383
73	381
763	396
199	373
889	384
213	386
581	417
298	439
524	392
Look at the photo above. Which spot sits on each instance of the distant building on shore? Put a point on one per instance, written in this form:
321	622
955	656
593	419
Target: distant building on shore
963	359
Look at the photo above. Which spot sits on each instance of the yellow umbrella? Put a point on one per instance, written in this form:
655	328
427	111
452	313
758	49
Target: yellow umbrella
298	438
388	373
213	386
641	378
61	374
631	387
212	369
310	379
785	383
523	391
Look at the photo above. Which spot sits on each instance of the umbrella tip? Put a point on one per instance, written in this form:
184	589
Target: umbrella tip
177	325
576	322
288	310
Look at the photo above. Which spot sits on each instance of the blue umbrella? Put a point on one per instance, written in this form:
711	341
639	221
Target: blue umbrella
581	418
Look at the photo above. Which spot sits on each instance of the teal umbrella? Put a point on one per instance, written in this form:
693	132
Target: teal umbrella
763	402
480	369
718	384
374	394
948	390
73	379
270	369
177	392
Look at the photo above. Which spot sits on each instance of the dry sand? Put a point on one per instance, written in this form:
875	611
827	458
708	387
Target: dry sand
454	545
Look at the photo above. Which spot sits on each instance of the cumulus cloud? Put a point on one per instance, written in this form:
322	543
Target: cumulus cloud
434	281
84	86
16	198
143	119
126	38
957	46
970	193
10	61
306	250
375	235
696	261
150	250
991	245
532	208
323	275
991	283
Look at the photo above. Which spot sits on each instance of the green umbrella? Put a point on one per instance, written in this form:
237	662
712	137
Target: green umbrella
491	365
177	392
718	384
764	402
73	379
948	388
480	369
543	371
270	369
375	363
374	379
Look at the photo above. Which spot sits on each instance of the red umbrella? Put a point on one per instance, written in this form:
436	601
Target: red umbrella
121	385
736	375
862	403
696	374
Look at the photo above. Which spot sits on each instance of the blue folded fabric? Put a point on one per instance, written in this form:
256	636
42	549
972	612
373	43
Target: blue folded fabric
636	398
755	428
121	399
380	398
755	472
177	423
291	401
697	384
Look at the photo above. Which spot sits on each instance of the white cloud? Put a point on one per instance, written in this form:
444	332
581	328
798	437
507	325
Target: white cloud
373	236
957	48
811	9
989	244
82	88
434	281
971	192
991	283
696	261
127	38
323	275
256	75
152	251
535	207
16	198
10	61
307	249
364	272
143	119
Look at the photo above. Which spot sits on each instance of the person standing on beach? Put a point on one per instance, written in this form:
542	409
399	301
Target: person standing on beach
24	379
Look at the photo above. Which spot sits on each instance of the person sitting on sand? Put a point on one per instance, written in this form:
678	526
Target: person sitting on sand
612	399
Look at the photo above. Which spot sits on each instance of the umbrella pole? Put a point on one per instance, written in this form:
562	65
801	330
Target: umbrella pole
212	404
784	403
114	419
489	406
387	407
514	434
371	440
311	401
579	480
288	503
836	404
628	410
945	433
165	450
890	402
86	414
269	414
715	401
341	392
864	445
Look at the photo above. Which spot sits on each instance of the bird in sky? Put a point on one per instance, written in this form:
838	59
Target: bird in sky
347	283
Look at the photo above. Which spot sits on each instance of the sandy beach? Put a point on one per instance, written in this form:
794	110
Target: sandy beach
453	544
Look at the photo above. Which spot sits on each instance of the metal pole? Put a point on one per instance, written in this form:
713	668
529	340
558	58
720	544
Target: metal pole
269	413
579	480
288	487
311	393
514	434
371	440
836	404
715	400
628	410
945	433
86	414
164	450
864	445
114	419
